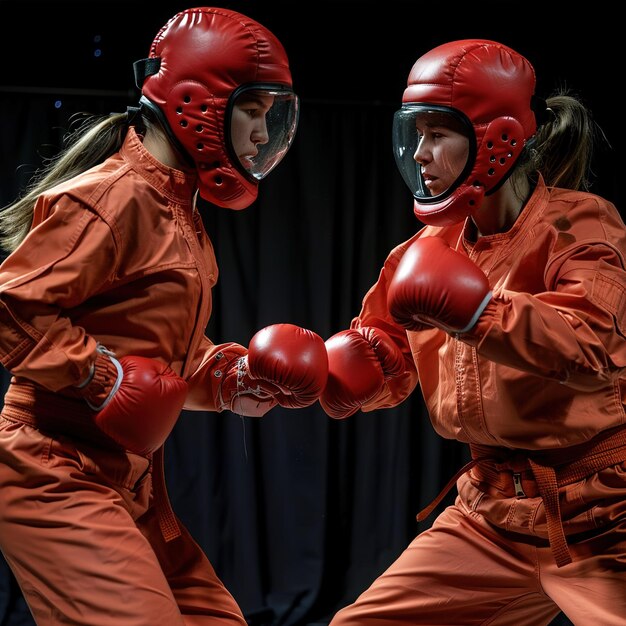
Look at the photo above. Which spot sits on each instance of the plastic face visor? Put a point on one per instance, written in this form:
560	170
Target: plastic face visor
261	125
434	148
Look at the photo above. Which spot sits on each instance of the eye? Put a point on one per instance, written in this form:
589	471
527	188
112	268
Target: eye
251	109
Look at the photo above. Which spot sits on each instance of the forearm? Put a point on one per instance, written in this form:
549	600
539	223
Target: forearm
213	362
582	350
55	355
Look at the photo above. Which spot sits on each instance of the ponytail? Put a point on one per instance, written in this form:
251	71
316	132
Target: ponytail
563	147
94	139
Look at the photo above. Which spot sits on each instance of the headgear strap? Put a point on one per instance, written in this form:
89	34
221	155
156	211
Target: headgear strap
144	68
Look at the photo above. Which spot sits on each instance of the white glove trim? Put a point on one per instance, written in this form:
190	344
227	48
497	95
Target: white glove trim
120	377
477	314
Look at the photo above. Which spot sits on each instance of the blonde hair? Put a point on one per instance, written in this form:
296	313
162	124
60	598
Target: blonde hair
93	140
564	144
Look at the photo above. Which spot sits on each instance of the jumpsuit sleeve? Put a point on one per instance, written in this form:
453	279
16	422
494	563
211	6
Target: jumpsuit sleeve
374	312
210	364
574	332
66	258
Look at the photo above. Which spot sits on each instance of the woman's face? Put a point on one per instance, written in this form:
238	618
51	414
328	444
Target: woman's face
248	125
442	151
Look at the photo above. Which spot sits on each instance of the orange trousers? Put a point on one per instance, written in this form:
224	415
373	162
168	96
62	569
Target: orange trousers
486	561
79	531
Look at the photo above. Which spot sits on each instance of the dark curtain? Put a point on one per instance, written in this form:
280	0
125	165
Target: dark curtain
298	513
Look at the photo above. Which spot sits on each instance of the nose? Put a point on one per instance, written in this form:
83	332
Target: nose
259	133
422	155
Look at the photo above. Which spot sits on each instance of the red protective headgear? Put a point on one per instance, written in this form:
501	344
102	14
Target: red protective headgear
200	62
489	88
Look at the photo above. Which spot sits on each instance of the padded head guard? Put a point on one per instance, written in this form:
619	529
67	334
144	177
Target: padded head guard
489	88
200	62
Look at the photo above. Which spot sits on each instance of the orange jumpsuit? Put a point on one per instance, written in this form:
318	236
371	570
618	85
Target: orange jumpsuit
537	389
118	256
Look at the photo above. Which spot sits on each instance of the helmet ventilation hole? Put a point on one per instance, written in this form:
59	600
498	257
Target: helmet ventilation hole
218	180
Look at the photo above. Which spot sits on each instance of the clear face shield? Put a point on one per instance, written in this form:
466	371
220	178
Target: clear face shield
261	123
434	148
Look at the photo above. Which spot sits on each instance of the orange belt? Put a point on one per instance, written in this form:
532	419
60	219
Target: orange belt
551	469
50	412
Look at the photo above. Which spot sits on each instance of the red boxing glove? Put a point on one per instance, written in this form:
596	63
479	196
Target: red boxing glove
438	286
285	365
292	358
359	363
143	405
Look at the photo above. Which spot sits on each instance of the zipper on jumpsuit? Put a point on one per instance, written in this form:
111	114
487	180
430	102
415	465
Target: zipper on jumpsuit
167	520
517	483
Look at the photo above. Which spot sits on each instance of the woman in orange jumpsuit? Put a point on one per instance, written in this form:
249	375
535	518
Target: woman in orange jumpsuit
104	301
508	308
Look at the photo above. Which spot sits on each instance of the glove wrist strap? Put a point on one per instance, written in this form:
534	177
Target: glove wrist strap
101	350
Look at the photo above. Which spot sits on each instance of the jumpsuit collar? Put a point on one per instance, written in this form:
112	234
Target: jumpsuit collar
177	185
538	196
